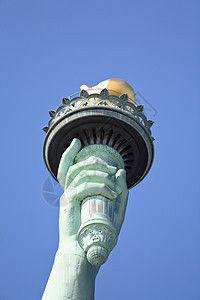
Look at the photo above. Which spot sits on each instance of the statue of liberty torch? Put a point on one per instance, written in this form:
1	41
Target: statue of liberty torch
98	145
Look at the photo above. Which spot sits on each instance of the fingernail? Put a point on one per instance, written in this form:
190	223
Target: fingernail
113	169
118	189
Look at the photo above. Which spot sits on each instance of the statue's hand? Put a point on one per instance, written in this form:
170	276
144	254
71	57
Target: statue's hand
90	177
72	276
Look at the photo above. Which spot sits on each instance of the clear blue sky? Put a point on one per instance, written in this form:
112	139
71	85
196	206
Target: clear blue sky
50	48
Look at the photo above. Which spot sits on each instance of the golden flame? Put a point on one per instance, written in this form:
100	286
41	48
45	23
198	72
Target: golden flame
114	84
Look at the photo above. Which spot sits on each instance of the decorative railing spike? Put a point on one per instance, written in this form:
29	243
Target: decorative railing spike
150	123
46	128
84	93
124	98
140	108
65	101
52	113
104	94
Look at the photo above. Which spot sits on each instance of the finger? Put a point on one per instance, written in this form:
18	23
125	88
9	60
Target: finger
67	160
121	201
92	189
95	177
92	163
121	178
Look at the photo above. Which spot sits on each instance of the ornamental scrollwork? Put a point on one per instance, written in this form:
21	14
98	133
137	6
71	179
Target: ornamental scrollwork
104	98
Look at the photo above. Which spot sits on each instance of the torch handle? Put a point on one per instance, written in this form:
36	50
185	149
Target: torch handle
97	234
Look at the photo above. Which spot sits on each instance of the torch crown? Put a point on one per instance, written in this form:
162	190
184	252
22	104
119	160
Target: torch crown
99	97
102	116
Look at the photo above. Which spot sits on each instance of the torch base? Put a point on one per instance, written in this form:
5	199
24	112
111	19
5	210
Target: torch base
97	255
97	239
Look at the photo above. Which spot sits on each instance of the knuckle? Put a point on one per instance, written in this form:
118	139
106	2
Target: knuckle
84	176
71	169
106	176
94	159
84	186
82	173
104	186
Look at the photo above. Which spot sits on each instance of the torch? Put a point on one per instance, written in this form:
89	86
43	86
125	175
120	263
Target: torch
110	126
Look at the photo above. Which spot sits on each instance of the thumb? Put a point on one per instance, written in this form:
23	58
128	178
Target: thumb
121	201
121	182
121	179
67	160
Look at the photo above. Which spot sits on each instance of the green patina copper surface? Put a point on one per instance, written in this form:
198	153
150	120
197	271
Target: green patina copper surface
72	276
98	144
